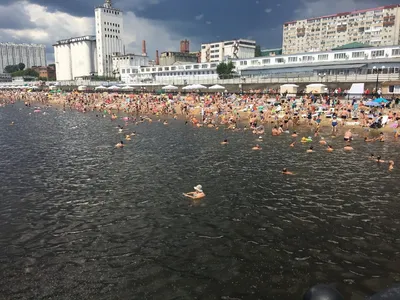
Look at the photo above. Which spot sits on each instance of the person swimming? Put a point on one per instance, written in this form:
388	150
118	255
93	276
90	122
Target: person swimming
256	147
348	148
120	144
197	194
286	172
379	160
311	149
329	149
391	165
322	141
225	142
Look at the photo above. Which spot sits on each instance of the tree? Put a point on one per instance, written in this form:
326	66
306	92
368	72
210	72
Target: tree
31	72
11	69
225	70
21	66
258	51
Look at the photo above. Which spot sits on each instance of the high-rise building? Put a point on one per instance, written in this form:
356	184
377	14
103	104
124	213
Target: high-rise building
376	26
235	49
109	31
28	54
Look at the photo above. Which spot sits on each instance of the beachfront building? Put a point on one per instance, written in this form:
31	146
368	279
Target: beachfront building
75	57
234	49
28	54
376	26
170	57
339	62
126	66
109	31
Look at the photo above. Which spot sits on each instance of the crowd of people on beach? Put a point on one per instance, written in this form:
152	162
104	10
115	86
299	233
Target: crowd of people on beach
256	113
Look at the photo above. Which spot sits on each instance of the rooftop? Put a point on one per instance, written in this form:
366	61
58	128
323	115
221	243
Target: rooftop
353	45
76	39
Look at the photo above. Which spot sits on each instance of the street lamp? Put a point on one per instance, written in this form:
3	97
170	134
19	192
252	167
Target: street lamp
377	77
322	75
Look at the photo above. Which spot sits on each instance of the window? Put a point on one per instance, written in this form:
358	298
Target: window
204	66
147	69
359	54
153	69
213	65
292	59
323	57
254	62
173	68
266	61
123	71
187	67
378	53
196	66
308	58
395	52
340	55
166	68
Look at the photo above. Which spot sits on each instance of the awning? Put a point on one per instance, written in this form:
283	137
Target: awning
336	67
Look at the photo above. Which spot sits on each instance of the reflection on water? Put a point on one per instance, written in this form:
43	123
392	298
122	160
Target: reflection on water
83	220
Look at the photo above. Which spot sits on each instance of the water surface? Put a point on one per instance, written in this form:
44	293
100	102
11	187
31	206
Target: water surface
82	220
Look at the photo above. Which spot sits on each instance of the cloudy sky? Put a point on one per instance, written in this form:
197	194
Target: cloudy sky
163	23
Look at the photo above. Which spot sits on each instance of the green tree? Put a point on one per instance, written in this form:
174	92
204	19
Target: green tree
30	72
225	70
21	66
258	51
11	69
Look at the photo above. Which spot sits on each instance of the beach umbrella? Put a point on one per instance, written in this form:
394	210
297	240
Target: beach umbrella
372	103
113	87
199	87
216	87
188	87
127	87
169	87
100	87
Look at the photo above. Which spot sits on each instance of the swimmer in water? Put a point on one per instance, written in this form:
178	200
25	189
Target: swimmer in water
197	194
128	137
379	160
257	147
225	142
294	134
391	165
381	137
329	149
367	140
260	138
292	144
372	156
286	172
348	148
322	141
120	145
165	122
310	149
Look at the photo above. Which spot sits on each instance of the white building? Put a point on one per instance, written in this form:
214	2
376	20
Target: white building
75	57
376	26
109	31
127	66
343	62
29	54
235	49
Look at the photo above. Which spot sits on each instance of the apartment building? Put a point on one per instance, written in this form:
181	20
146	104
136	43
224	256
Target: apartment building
28	54
235	49
376	26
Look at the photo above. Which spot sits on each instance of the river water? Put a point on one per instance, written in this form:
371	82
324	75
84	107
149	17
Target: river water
82	220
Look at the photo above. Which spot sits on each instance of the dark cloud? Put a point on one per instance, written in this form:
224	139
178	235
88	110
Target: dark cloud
14	17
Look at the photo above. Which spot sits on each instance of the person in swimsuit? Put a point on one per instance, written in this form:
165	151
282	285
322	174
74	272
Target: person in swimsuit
334	125
197	194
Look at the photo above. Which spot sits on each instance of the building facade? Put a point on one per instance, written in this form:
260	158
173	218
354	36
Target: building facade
376	26
75	57
28	54
48	72
170	58
235	49
109	31
127	65
362	61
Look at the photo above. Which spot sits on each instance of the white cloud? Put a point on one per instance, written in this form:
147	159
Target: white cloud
199	17
268	10
208	22
46	27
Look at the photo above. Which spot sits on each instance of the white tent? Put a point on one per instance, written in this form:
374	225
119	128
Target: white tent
289	87
356	90
33	87
188	87
216	87
100	87
316	88
198	87
113	87
169	87
127	87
